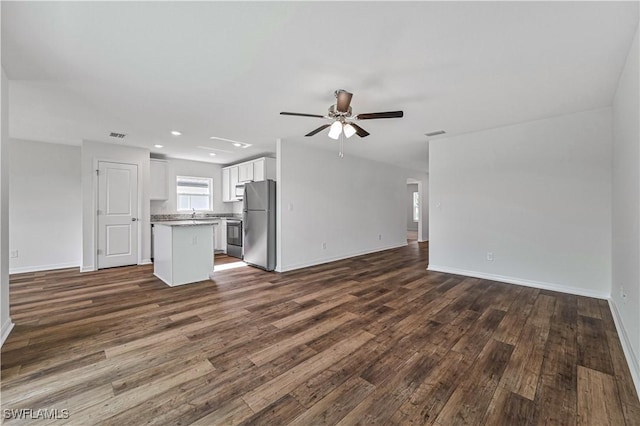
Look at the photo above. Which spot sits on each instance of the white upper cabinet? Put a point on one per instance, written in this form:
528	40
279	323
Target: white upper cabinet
158	177
249	171
263	169
226	190
245	172
268	166
258	170
233	181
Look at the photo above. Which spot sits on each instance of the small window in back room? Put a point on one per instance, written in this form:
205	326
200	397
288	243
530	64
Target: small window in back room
416	207
194	193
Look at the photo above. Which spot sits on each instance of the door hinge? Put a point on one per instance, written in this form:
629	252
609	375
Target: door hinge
99	251
97	172
98	212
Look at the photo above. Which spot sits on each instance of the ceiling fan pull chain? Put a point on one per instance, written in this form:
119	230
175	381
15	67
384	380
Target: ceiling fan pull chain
341	153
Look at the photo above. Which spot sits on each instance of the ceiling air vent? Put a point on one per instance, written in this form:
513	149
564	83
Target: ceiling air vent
436	133
117	135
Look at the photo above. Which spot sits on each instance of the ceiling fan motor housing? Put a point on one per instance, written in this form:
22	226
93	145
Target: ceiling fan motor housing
334	113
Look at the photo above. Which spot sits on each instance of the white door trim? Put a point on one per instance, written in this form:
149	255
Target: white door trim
94	206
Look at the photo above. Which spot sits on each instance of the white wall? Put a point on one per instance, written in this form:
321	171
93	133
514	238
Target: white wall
411	188
5	319
536	194
626	209
44	206
343	202
177	167
236	207
425	207
91	153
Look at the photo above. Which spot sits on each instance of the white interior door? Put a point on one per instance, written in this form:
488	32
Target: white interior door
117	214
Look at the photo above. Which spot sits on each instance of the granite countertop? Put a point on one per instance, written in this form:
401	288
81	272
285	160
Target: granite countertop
185	219
191	222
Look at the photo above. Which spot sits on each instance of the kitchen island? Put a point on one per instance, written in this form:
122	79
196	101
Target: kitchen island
183	251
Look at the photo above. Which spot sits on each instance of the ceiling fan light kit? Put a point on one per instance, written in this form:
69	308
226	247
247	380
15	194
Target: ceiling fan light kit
335	130
341	115
348	130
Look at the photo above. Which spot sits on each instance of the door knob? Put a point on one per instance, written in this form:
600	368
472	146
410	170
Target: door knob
133	219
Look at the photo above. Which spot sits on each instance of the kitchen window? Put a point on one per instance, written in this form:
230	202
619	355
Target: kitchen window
194	193
416	207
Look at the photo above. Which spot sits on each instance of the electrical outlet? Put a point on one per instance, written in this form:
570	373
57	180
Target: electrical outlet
490	256
324	246
379	236
13	253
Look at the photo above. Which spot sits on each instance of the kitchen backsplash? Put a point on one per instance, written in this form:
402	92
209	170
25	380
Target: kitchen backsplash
183	216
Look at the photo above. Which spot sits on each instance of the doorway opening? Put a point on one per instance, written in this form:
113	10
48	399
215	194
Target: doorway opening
414	210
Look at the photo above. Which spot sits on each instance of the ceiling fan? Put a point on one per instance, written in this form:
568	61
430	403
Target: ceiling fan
340	114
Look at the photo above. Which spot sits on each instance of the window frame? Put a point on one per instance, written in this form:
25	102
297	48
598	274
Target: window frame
209	195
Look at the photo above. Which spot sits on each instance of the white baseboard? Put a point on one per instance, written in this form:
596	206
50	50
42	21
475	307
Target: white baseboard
23	269
520	281
89	268
6	329
632	360
321	261
145	262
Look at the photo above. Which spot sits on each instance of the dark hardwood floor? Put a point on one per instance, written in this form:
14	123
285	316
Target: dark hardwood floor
374	339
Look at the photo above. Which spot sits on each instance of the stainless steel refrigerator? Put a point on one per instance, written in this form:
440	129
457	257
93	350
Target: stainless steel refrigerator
259	224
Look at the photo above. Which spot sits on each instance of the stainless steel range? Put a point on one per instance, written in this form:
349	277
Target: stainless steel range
234	238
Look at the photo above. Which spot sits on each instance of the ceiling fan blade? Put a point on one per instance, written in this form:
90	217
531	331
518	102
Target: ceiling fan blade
344	100
372	115
300	114
319	129
360	131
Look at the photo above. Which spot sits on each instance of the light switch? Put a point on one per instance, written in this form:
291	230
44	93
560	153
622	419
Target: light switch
290	207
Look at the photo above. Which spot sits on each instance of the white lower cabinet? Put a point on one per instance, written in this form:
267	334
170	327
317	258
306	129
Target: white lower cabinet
182	254
223	235
220	236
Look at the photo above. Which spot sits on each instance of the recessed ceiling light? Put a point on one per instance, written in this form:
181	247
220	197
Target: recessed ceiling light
158	146
175	133
212	154
237	144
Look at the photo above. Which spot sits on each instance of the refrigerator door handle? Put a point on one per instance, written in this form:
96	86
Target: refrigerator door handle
244	211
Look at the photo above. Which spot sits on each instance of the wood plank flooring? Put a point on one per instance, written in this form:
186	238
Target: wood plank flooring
374	339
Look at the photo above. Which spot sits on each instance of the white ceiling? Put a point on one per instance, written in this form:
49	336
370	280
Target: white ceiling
80	70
